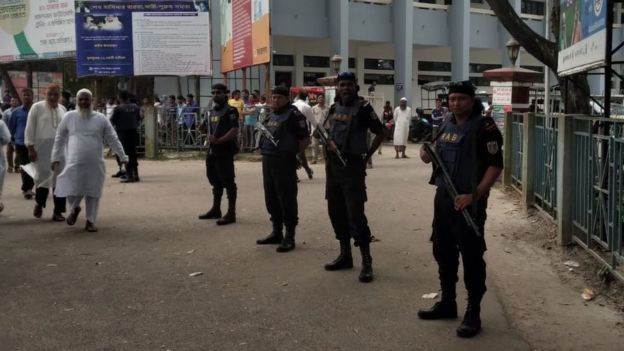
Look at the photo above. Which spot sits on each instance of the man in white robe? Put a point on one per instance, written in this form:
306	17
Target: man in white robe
5	139
43	119
80	139
402	120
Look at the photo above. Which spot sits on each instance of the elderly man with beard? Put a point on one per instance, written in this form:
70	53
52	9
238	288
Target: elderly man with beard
43	119
80	139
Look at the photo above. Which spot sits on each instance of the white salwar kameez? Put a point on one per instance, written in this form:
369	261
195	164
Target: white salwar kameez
84	171
5	138
41	126
402	120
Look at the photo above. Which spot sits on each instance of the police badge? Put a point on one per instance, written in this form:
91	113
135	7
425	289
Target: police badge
492	147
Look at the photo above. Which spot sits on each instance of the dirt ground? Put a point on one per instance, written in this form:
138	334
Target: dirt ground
128	287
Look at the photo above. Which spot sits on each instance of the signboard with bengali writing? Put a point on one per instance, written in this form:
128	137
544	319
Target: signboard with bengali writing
36	29
125	38
582	35
245	33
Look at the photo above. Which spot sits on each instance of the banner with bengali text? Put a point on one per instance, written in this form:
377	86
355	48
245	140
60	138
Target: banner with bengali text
245	33
36	29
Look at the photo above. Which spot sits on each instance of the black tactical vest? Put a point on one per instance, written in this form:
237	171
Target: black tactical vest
456	146
345	127
277	124
218	127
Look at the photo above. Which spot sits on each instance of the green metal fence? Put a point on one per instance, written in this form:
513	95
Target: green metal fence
545	165
598	208
517	123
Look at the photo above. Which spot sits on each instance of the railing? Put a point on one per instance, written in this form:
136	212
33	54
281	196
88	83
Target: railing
516	150
598	208
180	132
545	165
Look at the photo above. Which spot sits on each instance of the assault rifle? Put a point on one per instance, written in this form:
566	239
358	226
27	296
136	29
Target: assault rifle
265	132
325	139
450	187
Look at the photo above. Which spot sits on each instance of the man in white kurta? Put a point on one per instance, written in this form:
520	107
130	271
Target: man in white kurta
5	139
402	120
43	119
80	140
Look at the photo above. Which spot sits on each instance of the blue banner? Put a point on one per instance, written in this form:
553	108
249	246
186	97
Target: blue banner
105	35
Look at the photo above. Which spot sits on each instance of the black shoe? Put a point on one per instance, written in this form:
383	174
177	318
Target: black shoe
214	213
135	174
275	237
344	259
58	217
471	325
119	174
366	275
440	310
73	216
229	218
38	211
287	244
90	227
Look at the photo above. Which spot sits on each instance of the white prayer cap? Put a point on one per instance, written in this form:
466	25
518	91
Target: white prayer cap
85	91
403	99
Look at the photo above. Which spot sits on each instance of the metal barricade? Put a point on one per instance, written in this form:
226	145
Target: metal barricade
517	151
180	132
545	166
598	208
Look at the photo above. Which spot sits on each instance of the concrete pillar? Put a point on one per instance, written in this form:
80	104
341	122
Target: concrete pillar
507	149
151	132
459	35
565	181
403	27
339	30
528	159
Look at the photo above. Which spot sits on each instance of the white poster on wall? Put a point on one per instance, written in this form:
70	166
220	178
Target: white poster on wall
36	29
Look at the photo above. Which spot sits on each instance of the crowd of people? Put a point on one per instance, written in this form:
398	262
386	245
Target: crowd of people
59	149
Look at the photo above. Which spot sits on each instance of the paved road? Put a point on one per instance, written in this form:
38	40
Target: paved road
128	286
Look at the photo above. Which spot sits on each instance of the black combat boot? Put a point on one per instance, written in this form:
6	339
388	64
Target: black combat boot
471	325
288	243
120	173
135	174
344	259
215	211
230	216
275	237
445	309
366	275
129	176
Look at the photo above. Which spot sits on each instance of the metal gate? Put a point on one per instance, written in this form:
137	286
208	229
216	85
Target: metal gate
599	186
517	135
545	167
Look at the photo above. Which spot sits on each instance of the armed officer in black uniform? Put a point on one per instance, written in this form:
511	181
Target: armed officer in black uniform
348	123
469	145
222	130
126	119
289	130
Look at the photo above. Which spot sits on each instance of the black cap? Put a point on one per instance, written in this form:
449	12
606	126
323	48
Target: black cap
280	90
346	76
463	87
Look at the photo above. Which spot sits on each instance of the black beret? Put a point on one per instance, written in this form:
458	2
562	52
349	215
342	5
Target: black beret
280	90
463	87
219	86
346	76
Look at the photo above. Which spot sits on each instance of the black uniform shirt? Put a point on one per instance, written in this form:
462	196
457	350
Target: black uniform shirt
126	117
352	139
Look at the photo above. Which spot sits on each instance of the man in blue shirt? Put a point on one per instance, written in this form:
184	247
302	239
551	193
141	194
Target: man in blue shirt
17	126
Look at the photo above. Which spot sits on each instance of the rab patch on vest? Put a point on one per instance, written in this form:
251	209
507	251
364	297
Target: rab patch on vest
214	119
450	137
492	147
341	117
